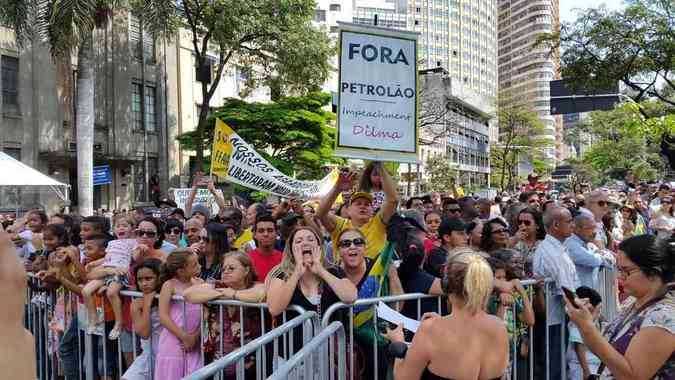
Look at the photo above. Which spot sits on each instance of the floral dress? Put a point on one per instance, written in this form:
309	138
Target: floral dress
661	315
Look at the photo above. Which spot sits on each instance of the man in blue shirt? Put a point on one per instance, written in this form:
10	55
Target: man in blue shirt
586	256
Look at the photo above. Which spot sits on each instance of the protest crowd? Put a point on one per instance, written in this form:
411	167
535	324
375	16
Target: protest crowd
496	272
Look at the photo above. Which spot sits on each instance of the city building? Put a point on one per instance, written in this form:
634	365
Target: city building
456	126
525	69
147	92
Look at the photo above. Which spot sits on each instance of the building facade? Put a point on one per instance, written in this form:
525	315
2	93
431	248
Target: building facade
456	126
525	69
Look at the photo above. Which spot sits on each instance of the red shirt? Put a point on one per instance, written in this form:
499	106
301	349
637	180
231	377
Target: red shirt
263	263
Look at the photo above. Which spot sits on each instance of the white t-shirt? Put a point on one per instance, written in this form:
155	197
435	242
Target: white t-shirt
27	249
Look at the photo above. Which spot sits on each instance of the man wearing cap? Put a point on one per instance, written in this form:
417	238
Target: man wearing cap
177	214
360	211
452	234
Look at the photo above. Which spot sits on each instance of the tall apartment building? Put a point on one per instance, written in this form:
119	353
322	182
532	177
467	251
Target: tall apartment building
525	70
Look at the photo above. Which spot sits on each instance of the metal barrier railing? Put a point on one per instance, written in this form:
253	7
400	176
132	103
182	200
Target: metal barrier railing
257	346
313	353
373	302
95	355
43	304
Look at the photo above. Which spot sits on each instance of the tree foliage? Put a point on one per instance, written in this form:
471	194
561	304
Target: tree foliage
620	144
272	40
521	134
441	174
293	133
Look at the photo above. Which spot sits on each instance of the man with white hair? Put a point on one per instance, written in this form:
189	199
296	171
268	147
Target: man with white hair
551	260
586	256
596	203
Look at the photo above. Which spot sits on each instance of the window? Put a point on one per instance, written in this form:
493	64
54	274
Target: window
10	83
333	29
148	44
334	7
417	22
320	15
137	106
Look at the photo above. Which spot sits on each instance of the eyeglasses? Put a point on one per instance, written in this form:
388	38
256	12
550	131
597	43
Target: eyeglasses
499	231
602	203
174	231
148	233
229	269
358	242
527	223
626	272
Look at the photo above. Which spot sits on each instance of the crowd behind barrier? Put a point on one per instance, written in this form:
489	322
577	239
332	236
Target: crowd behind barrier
42	320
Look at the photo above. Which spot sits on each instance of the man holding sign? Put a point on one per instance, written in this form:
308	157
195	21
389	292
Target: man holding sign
360	211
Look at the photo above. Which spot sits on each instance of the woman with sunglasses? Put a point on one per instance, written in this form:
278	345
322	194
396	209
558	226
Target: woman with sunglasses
211	248
238	282
149	238
495	236
530	232
663	220
173	232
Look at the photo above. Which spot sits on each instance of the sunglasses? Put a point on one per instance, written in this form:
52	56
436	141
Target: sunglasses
150	234
527	223
358	242
174	231
499	231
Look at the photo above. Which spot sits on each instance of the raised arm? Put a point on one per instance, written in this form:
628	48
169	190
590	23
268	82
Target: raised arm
391	197
216	197
344	183
193	193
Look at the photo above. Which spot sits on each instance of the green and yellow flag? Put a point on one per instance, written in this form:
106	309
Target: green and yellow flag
221	149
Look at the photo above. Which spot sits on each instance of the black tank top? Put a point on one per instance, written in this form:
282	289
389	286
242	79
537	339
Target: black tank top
428	375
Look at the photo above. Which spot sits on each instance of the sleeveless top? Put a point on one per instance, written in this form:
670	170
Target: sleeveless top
428	375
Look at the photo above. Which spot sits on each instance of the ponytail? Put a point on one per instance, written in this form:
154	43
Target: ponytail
478	283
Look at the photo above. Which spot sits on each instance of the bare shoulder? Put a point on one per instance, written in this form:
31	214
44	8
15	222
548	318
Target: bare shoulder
494	326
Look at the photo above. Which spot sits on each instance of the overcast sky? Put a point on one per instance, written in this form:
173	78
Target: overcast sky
567	7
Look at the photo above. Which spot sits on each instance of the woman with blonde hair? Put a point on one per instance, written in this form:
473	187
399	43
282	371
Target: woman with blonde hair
468	343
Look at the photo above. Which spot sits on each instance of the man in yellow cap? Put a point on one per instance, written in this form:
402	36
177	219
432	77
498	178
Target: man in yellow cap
360	211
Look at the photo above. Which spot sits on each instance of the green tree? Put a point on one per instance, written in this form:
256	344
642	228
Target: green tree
272	41
441	174
521	134
295	134
620	144
67	27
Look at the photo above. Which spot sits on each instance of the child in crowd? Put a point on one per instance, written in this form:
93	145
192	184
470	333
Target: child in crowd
113	275
145	317
371	182
178	348
582	362
124	227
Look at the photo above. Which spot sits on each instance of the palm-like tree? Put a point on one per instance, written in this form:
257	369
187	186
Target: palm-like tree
67	26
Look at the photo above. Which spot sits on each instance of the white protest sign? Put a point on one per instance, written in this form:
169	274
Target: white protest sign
203	197
377	94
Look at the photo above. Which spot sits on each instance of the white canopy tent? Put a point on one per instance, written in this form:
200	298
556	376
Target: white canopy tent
16	174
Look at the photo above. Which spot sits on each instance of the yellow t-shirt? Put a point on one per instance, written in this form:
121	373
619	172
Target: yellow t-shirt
375	231
243	239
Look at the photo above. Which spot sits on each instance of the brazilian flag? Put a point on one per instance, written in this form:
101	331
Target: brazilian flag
376	284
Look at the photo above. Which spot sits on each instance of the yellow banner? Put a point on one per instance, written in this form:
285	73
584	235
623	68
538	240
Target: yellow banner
221	150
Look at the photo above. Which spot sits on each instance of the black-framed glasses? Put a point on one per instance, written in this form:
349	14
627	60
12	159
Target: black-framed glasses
174	231
527	223
626	272
148	233
346	243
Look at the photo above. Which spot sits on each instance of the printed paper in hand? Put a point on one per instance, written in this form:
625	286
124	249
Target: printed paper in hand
391	315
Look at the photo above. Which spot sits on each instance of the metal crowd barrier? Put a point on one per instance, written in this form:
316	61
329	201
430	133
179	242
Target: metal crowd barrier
257	346
303	365
93	351
372	302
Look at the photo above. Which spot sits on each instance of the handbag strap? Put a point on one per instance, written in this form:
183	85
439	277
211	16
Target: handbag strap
629	316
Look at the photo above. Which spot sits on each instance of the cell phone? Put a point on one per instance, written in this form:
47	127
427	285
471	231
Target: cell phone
570	295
